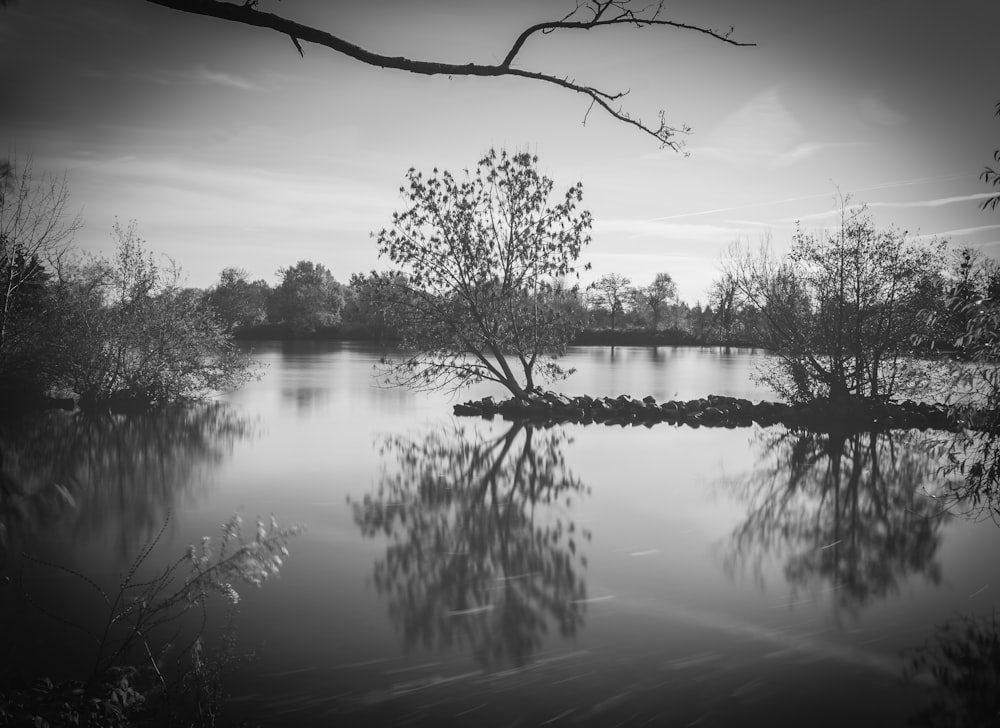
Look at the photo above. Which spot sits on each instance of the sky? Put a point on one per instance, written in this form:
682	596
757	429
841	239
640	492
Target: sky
229	149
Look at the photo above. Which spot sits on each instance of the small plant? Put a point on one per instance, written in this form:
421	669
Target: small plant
130	677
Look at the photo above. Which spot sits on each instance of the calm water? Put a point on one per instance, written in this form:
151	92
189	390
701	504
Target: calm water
471	572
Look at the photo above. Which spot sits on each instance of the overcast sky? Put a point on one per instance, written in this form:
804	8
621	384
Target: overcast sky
230	149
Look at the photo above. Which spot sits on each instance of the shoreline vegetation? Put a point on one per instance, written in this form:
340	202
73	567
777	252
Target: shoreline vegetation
491	292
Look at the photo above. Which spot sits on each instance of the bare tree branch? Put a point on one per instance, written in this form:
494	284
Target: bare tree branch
586	16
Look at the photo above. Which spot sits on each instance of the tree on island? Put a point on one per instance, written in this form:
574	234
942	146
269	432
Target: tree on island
840	310
484	257
587	15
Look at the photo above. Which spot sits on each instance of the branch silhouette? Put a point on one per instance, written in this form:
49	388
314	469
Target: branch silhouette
586	16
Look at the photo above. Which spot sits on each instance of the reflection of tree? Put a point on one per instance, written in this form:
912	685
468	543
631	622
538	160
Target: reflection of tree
974	456
479	555
844	512
963	658
76	473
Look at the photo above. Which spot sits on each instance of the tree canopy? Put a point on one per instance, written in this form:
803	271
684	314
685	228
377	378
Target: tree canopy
841	309
484	257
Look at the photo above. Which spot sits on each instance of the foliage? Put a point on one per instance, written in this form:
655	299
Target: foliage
611	292
35	233
482	260
992	176
133	334
840	310
963	657
308	297
967	326
655	295
238	302
368	302
131	679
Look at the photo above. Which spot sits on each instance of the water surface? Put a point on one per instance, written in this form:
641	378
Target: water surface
471	572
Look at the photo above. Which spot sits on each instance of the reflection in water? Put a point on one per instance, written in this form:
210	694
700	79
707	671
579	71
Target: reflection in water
845	513
80	474
963	658
974	457
479	556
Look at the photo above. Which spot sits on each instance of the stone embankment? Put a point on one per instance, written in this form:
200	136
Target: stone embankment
715	411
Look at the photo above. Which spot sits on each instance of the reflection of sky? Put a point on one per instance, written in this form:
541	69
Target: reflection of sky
663	621
231	149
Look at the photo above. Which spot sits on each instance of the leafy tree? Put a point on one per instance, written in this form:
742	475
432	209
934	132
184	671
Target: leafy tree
655	295
238	302
308	297
841	309
483	258
970	320
134	336
588	15
611	292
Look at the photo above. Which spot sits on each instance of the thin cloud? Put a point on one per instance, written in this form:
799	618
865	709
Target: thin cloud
800	198
228	80
162	77
660	229
960	232
936	202
805	150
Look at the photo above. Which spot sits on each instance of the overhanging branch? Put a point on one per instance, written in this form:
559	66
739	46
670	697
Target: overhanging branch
586	16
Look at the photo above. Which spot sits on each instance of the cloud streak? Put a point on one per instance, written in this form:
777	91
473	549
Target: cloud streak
935	202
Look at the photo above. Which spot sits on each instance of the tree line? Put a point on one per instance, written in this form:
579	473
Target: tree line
482	284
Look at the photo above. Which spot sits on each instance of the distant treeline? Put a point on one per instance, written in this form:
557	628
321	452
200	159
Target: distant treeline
309	303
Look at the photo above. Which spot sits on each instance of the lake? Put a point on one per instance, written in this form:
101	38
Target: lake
460	571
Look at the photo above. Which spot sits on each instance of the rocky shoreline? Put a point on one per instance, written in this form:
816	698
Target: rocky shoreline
820	415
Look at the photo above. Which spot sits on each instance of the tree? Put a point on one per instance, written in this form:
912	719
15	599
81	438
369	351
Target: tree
134	337
657	293
611	291
308	297
723	297
35	229
238	302
367	303
483	257
586	16
841	309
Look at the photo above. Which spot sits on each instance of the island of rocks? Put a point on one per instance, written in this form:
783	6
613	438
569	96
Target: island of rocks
820	415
